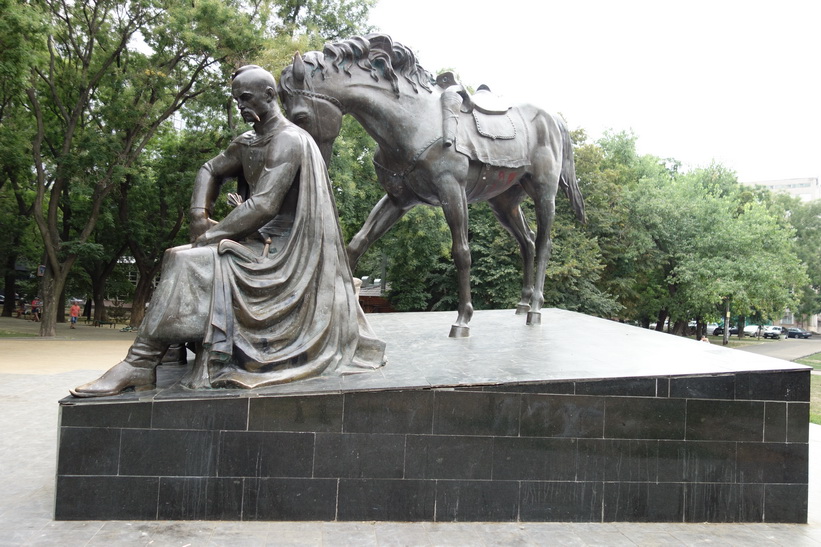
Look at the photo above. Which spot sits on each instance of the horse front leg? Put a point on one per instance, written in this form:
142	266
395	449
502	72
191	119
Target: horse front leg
381	219
455	207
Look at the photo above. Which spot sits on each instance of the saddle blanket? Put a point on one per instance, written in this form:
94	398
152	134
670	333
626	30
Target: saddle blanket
495	139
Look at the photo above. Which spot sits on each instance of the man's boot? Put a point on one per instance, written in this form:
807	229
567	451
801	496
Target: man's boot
451	104
137	370
177	354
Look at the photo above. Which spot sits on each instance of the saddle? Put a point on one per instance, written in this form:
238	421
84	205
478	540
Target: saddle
491	138
488	109
483	100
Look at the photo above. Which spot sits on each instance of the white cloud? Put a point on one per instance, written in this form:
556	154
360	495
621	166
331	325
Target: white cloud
737	82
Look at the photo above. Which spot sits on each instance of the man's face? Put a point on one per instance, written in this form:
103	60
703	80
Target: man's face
253	97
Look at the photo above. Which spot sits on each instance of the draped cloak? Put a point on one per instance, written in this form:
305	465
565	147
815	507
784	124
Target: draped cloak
262	320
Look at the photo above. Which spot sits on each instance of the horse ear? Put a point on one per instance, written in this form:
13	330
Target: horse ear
299	69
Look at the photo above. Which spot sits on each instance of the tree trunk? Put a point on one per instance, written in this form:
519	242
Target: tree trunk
142	294
52	288
10	282
726	335
98	296
680	327
61	306
742	319
661	319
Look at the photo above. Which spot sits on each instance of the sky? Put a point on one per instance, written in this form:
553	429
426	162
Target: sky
733	82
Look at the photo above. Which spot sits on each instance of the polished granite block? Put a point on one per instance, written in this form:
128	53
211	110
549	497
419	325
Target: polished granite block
465	413
289	499
560	501
198	498
320	413
164	452
449	457
649	418
519	458
725	420
265	454
562	416
209	414
403	412
722	502
535	425
359	455
471	501
106	498
643	502
617	460
386	499
89	451
697	461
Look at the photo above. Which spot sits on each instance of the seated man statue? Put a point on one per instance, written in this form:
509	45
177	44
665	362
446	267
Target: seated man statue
266	294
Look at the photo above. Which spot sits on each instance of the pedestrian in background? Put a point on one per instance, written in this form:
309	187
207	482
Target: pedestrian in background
74	312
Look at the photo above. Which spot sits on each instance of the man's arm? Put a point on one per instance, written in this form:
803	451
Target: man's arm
284	157
207	186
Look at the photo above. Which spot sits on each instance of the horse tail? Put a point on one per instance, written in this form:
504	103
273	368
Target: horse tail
567	179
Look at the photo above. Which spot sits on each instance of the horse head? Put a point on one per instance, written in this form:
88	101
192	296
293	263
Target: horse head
319	115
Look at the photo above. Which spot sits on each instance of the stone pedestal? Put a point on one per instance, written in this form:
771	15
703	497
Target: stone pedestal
578	419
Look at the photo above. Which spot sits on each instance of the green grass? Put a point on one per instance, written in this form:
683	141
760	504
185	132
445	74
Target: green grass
814	361
12	334
811	360
815	399
736	342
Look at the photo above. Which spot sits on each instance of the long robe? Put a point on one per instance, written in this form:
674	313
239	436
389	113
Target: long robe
290	314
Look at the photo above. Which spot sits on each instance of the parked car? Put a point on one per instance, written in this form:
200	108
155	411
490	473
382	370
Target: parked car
798	333
720	330
773	332
751	330
711	328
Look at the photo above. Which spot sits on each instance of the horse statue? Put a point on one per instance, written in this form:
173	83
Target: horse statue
438	145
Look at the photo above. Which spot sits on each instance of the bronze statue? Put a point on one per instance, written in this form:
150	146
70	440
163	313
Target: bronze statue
439	146
266	294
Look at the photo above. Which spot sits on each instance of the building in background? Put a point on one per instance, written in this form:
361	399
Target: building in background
807	189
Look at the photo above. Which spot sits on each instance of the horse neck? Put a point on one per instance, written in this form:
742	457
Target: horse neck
395	123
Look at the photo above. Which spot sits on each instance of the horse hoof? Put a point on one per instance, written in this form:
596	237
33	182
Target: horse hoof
459	332
522	309
534	318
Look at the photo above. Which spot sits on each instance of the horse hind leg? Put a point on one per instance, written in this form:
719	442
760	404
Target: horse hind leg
507	210
543	191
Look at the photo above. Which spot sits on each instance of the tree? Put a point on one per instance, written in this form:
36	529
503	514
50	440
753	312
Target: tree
22	42
153	207
805	219
702	246
331	19
115	72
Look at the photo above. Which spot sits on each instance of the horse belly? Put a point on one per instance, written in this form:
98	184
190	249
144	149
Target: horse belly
492	181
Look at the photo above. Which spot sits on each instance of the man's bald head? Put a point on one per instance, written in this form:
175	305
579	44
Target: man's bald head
255	90
255	72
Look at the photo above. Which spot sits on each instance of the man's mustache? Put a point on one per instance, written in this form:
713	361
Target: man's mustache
251	113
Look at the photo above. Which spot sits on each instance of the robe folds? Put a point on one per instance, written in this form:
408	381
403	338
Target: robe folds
270	317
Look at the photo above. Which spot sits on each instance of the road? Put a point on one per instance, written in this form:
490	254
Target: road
788	349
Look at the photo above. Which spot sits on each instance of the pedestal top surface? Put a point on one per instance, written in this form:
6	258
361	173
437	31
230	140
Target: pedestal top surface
501	349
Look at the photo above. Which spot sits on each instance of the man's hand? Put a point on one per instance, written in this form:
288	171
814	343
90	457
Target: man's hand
234	199
199	224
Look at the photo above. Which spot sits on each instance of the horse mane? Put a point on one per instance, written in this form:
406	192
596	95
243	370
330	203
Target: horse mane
376	54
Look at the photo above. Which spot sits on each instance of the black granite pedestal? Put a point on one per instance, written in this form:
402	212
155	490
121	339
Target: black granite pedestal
579	419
